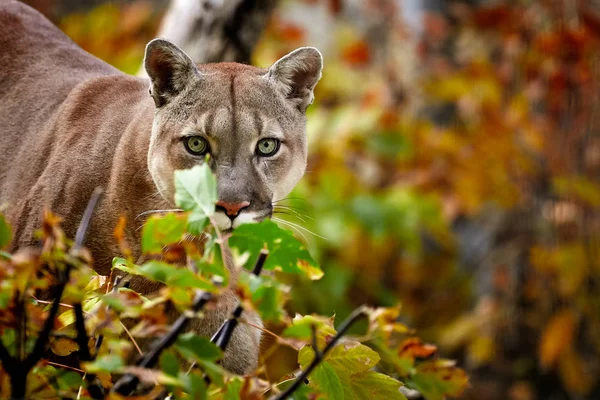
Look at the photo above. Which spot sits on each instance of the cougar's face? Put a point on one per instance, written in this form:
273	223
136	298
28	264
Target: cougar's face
250	121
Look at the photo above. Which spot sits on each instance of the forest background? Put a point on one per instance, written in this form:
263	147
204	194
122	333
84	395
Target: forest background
454	168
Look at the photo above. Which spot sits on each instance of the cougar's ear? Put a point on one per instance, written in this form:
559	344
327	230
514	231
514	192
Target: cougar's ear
169	69
297	74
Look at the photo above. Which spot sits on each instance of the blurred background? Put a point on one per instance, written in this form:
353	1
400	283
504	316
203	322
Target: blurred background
454	164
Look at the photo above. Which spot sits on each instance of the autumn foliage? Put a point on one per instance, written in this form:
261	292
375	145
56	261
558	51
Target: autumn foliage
453	169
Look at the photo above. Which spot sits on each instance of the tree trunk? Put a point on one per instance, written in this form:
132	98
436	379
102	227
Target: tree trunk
216	30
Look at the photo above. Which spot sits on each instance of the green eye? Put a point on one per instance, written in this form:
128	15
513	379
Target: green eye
196	145
267	147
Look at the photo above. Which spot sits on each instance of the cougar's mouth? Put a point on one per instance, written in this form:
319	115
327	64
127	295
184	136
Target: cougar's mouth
227	224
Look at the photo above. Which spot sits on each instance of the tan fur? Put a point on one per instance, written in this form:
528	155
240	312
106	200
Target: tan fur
69	123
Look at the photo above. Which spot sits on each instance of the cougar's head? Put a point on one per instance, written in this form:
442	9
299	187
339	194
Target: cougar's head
250	120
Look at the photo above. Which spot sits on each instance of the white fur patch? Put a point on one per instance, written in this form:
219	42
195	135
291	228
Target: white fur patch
244	218
223	222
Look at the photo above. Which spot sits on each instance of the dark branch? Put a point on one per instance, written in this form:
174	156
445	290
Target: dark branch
320	355
113	290
129	382
8	361
19	368
94	388
258	266
223	339
40	345
262	257
87	218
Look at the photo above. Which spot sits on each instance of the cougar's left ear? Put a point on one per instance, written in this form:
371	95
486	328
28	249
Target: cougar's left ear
169	69
297	74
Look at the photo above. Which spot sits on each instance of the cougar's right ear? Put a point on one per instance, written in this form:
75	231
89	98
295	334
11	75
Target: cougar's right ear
169	69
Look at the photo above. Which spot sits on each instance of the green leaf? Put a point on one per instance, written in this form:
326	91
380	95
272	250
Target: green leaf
196	192
327	381
169	363
106	363
390	145
285	252
302	328
304	392
234	387
350	358
69	380
198	347
168	274
369	385
346	359
160	231
195	385
267	295
215	372
5	232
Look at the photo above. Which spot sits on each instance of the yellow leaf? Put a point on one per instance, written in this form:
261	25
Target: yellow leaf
573	372
557	336
63	346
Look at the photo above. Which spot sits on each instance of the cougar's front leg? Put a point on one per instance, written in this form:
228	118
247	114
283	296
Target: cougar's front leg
241	356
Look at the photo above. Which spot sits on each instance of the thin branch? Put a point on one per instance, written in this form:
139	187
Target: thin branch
94	388
113	290
137	347
87	218
66	366
223	340
19	369
279	339
258	266
40	345
320	355
8	361
129	382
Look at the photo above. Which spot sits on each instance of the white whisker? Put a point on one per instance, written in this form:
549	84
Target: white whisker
296	213
300	227
158	211
281	221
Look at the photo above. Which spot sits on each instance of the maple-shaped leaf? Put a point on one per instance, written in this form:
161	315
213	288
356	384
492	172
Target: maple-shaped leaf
327	381
369	385
286	253
347	358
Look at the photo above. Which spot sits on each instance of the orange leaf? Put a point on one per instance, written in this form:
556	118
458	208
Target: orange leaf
119	234
414	348
357	54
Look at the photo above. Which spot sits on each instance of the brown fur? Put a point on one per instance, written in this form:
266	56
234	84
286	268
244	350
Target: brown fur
70	122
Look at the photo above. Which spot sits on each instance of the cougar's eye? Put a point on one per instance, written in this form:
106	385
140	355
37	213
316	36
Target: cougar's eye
196	145
267	147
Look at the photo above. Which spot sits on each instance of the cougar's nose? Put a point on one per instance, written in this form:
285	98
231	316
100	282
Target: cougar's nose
232	209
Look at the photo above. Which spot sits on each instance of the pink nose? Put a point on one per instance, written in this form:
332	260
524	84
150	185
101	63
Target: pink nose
232	209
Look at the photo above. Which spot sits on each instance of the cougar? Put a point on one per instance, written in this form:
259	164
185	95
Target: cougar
69	123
